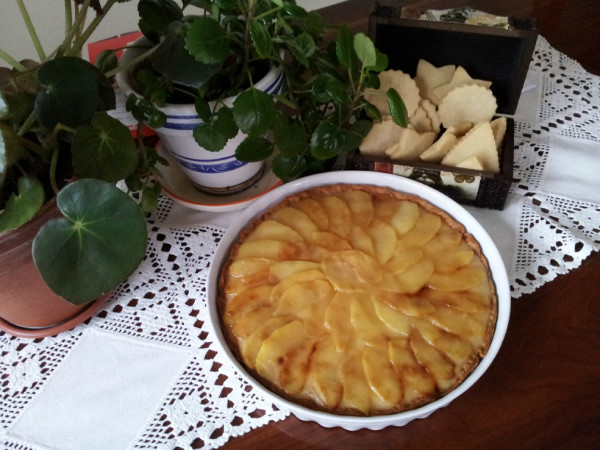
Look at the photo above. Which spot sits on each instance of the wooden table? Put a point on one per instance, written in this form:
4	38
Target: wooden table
542	390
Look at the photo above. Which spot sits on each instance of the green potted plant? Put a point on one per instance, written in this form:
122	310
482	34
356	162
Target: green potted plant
64	223
210	64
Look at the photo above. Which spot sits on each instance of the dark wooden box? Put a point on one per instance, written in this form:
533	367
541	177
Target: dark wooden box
496	54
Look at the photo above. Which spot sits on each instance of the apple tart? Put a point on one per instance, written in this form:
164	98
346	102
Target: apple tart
357	300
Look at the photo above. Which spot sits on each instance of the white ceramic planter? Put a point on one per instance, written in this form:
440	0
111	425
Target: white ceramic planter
214	172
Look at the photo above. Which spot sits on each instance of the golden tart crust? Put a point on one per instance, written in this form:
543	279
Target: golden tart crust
357	300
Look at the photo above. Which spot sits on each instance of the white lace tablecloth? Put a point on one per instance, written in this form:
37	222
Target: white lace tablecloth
144	374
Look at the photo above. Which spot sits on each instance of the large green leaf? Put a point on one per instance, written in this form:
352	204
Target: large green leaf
261	38
207	41
156	15
288	168
254	112
329	140
254	149
174	61
290	138
71	92
397	107
210	136
104	149
21	207
365	50
98	243
326	87
344	47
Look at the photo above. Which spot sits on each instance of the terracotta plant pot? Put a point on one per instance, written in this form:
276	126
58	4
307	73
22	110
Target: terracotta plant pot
28	307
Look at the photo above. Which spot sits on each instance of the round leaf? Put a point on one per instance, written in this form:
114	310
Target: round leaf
98	243
365	50
104	150
254	112
21	207
174	61
254	149
70	93
209	136
327	141
288	168
207	41
156	15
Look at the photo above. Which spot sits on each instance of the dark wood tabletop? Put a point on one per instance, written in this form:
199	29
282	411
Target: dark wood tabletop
543	389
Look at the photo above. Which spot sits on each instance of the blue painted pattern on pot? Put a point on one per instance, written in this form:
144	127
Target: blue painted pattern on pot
221	165
190	121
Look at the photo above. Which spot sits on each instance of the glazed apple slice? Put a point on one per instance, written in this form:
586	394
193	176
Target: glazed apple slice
315	211
396	320
296	278
298	220
326	364
437	364
360	240
459	280
424	229
361	206
272	229
357	393
281	270
417	382
384	240
337	320
284	356
380	373
340	217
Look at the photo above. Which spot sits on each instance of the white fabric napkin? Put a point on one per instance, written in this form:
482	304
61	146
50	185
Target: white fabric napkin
573	168
102	394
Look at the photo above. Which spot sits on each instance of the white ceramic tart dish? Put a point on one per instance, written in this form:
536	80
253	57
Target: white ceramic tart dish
391	321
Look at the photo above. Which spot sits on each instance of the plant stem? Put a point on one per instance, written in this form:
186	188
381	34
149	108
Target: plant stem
27	124
91	28
32	33
131	63
65	47
68	16
12	61
53	164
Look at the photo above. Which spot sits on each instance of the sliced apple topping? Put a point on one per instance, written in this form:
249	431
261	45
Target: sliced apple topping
396	320
340	220
433	360
358	301
384	240
284	356
405	217
297	220
361	206
315	211
458	280
357	393
380	373
425	228
272	229
337	320
326	365
282	270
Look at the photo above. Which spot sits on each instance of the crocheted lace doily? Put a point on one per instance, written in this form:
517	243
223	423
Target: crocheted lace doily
164	301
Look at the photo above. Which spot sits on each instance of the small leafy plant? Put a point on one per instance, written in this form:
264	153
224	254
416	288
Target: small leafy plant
206	57
58	142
